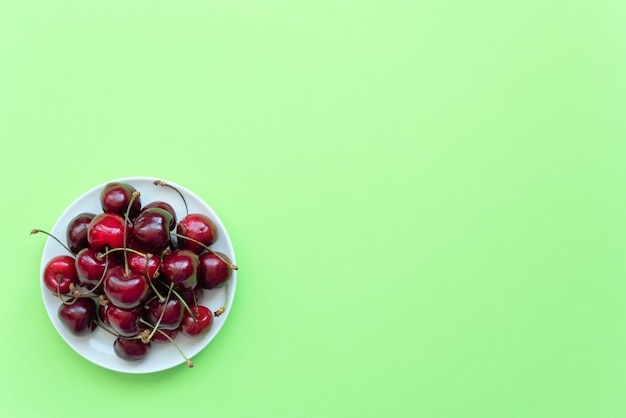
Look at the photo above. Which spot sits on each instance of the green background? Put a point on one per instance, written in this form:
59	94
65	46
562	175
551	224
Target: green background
427	199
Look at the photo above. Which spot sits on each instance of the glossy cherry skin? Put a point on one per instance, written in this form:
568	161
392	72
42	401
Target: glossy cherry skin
212	271
202	323
150	264
125	322
151	230
172	313
199	227
59	273
131	350
181	268
159	338
125	289
115	198
76	234
90	267
165	206
107	230
79	317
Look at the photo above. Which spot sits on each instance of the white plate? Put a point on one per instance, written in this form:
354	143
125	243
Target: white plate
98	346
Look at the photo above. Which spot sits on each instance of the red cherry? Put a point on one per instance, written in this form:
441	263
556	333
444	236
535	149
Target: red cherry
126	289
131	349
148	264
115	198
90	267
213	271
59	273
181	267
202	323
165	206
107	230
151	230
76	234
198	227
79	316
159	338
170	314
125	322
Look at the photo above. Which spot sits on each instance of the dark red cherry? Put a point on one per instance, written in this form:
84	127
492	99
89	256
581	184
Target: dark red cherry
148	264
170	313
79	317
125	322
126	289
115	198
181	267
76	234
90	267
151	230
198	227
159	338
131	349
200	325
59	273
107	230
165	206
213	271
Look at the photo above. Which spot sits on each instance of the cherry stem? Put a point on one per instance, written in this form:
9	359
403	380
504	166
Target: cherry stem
71	299
182	300
158	295
206	247
221	310
167	299
132	250
133	196
35	231
164	184
146	256
104	272
187	361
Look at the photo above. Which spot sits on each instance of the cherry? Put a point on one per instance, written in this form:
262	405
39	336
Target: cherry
78	316
107	230
125	288
198	227
147	264
76	234
124	322
159	338
90	266
200	325
166	314
181	267
165	206
115	198
131	349
214	270
151	230
60	274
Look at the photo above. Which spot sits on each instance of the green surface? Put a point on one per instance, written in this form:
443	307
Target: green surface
427	199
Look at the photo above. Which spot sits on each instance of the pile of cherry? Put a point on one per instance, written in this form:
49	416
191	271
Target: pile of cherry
137	272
